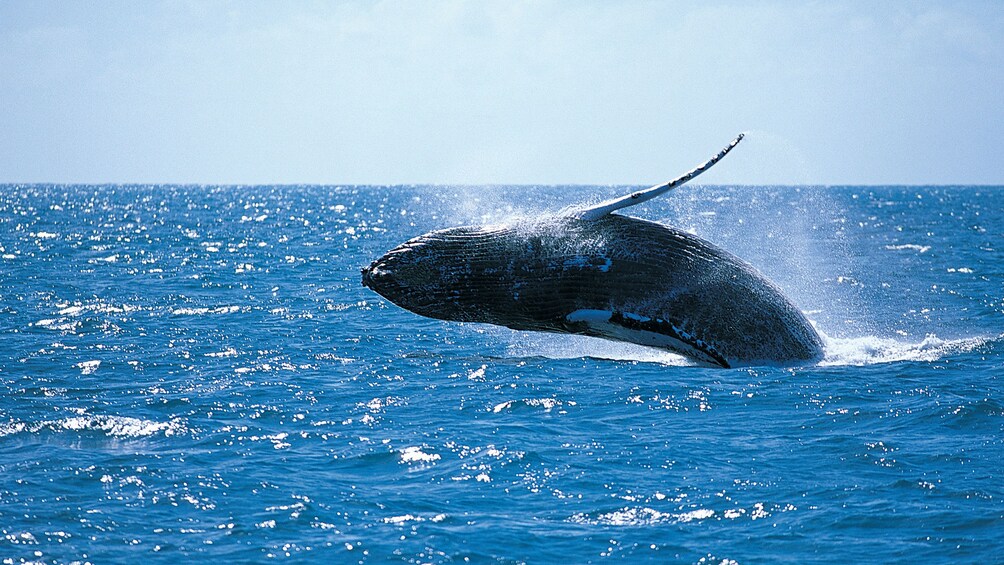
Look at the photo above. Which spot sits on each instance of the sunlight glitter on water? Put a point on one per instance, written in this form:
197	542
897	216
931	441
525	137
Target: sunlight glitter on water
174	404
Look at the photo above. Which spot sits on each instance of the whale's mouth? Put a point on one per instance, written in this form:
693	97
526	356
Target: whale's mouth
367	274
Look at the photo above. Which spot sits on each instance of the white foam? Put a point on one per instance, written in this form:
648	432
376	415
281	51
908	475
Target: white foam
119	426
870	350
98	307
405	518
910	246
60	324
699	514
399	520
415	454
642	517
202	311
88	367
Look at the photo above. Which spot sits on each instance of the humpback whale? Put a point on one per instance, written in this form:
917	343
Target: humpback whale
594	272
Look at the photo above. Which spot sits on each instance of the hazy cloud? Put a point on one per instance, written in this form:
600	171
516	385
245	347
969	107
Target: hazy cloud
503	92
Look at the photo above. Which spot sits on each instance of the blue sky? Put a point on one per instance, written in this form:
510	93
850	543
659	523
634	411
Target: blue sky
501	92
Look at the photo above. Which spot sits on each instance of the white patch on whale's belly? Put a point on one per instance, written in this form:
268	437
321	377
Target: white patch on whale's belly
600	323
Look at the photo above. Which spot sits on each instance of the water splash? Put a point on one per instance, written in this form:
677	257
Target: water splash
852	351
871	350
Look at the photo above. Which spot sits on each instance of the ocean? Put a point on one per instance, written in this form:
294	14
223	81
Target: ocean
196	372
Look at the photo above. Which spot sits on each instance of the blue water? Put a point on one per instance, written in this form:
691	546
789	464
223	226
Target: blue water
196	372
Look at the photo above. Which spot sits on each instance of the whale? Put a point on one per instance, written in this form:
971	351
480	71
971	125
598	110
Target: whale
594	272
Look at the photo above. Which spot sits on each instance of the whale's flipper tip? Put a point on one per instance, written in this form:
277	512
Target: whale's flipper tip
604	208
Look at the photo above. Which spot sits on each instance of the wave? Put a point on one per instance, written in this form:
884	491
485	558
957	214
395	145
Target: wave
111	426
547	404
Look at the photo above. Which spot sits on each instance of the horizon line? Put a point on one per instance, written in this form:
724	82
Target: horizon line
493	185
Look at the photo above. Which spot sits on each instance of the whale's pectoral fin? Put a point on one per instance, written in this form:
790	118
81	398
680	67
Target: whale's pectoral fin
652	332
604	208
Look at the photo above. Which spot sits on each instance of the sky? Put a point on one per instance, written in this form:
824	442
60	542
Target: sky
509	92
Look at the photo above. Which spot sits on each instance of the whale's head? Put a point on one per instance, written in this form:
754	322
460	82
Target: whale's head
427	275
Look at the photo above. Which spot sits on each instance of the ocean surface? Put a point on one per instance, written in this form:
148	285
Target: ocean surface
196	372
